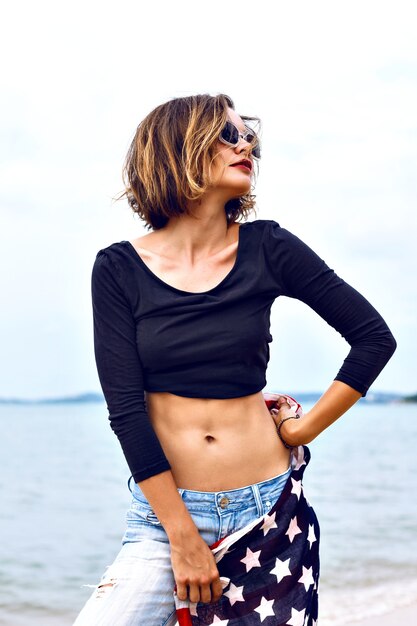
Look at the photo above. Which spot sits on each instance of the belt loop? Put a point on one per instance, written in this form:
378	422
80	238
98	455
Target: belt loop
128	484
257	495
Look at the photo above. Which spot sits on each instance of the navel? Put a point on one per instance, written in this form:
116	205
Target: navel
209	438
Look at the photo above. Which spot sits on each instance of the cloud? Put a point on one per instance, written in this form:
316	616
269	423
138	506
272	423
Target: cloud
336	89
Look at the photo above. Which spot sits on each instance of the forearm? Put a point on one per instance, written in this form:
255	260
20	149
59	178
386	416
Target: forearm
161	492
338	399
193	564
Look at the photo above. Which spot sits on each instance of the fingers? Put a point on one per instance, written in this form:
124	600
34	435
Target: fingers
182	591
210	591
195	570
216	590
281	410
282	401
203	593
196	595
281	404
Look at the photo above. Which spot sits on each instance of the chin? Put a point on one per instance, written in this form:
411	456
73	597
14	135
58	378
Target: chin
236	188
242	190
236	196
239	188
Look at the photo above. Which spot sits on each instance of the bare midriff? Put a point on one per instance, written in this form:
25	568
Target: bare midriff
211	444
217	444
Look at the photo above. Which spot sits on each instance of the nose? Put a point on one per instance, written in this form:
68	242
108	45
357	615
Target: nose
243	146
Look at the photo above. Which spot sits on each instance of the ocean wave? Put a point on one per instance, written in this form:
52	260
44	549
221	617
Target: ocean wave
341	607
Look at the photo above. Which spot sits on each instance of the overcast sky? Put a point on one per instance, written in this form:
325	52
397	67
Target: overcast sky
335	85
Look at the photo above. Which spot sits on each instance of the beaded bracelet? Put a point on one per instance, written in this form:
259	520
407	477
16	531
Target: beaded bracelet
284	419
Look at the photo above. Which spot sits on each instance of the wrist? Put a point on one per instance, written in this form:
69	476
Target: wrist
291	431
180	529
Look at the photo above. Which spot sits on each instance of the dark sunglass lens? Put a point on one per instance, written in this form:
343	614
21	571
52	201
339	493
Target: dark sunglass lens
256	151
230	133
252	139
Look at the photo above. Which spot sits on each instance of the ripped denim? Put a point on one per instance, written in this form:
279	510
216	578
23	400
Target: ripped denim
137	588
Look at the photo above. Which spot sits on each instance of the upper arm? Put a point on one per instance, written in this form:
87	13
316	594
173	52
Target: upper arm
305	276
120	371
115	349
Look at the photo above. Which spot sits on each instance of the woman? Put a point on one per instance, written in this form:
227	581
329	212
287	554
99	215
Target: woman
181	330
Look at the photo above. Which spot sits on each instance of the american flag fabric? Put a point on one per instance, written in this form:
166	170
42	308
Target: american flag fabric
269	569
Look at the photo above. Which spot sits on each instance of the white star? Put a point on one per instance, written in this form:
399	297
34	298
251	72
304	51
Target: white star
293	529
265	609
311	536
251	559
269	522
297	617
281	569
307	577
235	594
219	621
296	487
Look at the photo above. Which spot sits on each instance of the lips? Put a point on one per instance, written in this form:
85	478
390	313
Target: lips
245	162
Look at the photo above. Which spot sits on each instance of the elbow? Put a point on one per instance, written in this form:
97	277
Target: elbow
393	344
383	348
382	341
389	345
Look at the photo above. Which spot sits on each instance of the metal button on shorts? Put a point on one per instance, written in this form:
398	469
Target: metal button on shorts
224	502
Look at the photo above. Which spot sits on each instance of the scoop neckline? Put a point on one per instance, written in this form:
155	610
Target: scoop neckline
142	263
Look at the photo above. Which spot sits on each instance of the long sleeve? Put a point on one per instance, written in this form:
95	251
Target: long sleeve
120	371
303	275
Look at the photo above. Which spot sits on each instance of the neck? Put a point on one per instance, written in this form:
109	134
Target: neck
201	232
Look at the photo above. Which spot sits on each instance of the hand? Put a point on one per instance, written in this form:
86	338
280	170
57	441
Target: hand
290	429
195	570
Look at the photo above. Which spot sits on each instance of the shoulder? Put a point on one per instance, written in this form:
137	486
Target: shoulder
272	233
283	249
113	253
111	261
266	226
260	224
114	249
259	228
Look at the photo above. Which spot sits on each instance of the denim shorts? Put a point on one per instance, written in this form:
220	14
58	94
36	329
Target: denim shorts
216	514
138	587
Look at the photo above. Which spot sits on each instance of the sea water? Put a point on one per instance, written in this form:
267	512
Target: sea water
64	495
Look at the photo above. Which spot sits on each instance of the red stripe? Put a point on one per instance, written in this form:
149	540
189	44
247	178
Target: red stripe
184	617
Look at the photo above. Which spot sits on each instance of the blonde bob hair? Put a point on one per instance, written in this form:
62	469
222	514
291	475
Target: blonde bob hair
169	160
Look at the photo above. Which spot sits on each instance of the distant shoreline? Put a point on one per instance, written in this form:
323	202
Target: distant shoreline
371	398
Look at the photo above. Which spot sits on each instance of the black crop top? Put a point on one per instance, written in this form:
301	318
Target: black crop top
151	336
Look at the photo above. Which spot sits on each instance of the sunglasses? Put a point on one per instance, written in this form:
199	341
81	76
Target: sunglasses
231	135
